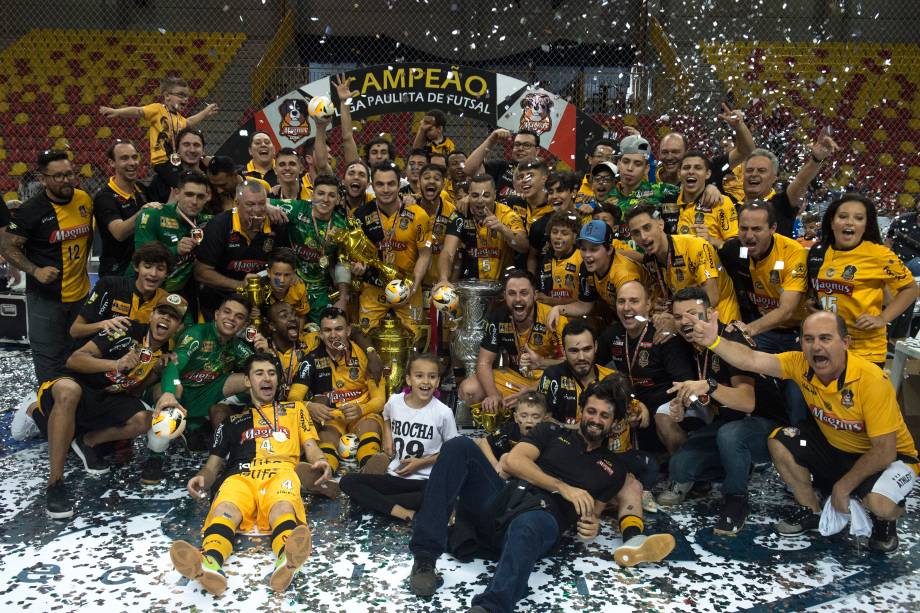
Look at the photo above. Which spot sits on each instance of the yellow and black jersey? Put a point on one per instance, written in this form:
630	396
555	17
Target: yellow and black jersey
721	221
57	235
487	252
691	262
163	128
622	269
111	203
558	277
853	282
119	297
114	345
445	221
445	147
502	336
855	407
270	178
398	237
343	381
296	296
263	438
563	390
306	187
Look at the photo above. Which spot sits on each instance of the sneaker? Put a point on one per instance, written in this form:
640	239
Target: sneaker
152	470
195	566
23	427
376	464
424	581
884	538
57	504
477	609
644	548
648	502
734	513
297	548
675	494
308	476
198	440
87	455
801	520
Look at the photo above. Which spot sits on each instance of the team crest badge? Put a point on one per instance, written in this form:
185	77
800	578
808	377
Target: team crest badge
339	384
716	365
830	272
790	432
643	358
404	223
685	230
846	397
294	124
83	212
353	373
680	275
849	273
268	245
774	277
537	339
536	113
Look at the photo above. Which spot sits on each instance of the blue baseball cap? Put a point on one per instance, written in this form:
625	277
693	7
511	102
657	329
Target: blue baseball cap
597	232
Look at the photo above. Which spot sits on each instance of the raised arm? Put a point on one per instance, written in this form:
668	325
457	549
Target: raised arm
821	149
475	160
130	112
349	146
706	334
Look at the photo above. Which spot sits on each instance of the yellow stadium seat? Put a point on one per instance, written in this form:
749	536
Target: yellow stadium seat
10	196
18	169
906	201
859	146
62	109
83	120
914	172
20	118
2	154
885	159
61	143
880	134
56	131
907	147
104	132
912	185
86	170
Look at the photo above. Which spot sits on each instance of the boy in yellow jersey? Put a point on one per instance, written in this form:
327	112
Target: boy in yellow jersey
253	457
557	280
491	234
716	223
284	285
343	399
676	262
856	442
402	234
165	119
518	329
430	134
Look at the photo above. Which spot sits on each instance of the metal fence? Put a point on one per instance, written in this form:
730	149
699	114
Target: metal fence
794	67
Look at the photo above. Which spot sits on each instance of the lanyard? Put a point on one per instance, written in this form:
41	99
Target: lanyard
273	423
388	235
518	345
322	237
631	361
186	218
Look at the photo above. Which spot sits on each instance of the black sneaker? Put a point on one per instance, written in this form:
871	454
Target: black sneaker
801	520
423	581
152	470
87	455
198	440
57	504
884	538
735	510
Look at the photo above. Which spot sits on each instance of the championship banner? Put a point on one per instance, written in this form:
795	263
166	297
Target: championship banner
495	99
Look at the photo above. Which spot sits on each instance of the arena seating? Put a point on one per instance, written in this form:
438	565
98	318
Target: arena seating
867	93
53	81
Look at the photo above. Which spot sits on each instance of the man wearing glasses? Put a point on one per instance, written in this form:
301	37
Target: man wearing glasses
525	145
49	238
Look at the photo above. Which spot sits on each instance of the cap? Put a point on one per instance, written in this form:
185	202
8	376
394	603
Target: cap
597	232
604	166
634	144
174	302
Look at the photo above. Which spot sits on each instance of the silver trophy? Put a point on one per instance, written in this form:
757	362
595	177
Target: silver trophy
476	301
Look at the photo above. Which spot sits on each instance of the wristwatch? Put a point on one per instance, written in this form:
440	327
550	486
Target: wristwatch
713	384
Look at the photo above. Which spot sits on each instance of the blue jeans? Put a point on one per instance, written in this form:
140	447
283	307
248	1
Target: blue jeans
773	341
724	451
913	265
462	475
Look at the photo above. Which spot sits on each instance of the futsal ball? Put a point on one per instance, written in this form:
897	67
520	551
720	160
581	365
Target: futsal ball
169	424
348	446
446	300
320	107
396	291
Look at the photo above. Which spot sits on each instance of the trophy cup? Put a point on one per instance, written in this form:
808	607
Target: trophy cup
392	342
257	291
358	248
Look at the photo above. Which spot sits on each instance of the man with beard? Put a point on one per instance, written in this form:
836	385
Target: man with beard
117	301
191	159
262	159
561	481
491	233
116	207
253	463
517	329
178	226
629	347
856	443
525	144
223	181
355	180
695	214
402	234
761	169
678	261
236	245
446	223
746	408
96	400
49	239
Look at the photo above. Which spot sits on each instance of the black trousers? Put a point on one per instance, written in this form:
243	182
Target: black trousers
381	492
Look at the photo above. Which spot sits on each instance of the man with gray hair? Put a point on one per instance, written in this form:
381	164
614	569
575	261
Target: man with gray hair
761	170
236	245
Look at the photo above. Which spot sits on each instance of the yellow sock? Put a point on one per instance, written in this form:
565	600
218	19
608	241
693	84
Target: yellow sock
630	526
332	455
218	538
281	530
368	445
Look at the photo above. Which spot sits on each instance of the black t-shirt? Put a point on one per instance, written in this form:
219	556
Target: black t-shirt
564	455
718	169
228	250
654	367
503	173
4	214
904	234
113	346
562	390
111	204
537	235
785	213
165	179
507	437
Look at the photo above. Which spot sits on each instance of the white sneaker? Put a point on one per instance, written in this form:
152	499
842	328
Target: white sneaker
648	502
23	426
644	548
675	494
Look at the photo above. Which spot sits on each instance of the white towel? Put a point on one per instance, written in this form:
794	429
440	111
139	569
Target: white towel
833	521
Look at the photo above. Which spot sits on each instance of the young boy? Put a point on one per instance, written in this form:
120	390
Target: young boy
557	280
529	411
165	119
284	284
416	424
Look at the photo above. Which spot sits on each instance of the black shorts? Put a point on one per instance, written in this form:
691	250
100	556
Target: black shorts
96	410
826	463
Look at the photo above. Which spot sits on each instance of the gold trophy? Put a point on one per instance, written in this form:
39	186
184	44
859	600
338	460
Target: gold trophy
393	343
490	422
357	247
258	293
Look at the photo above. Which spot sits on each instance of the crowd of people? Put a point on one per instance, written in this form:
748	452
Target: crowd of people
659	329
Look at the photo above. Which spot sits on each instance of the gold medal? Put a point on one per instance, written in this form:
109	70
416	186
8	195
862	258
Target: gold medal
389	257
324	261
174	159
279	436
